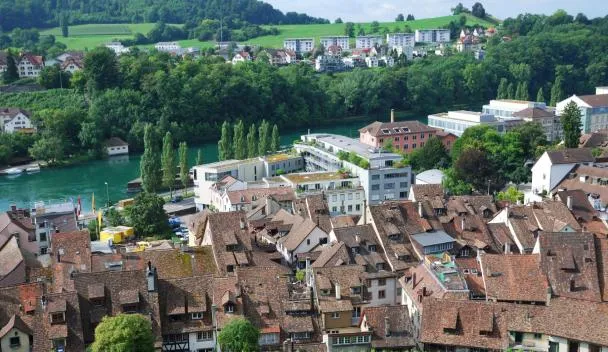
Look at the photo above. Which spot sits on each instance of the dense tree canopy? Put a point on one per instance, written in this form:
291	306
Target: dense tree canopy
147	215
124	333
239	335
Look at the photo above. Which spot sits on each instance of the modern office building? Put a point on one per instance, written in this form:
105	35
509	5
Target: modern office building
506	108
457	121
380	173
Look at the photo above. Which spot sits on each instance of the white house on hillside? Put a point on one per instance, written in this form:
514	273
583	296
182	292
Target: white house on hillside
553	166
117	48
116	146
14	120
30	65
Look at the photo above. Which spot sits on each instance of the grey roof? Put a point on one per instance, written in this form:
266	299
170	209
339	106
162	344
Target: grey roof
432	238
353	145
571	156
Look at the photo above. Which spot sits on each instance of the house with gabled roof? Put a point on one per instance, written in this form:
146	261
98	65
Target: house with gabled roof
16	120
593	108
391	329
30	65
302	238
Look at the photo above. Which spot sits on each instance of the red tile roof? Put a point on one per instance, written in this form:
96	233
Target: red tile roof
514	278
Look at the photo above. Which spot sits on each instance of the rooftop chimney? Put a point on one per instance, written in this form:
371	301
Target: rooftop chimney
387	327
462	223
420	209
338	292
569	202
365	211
392	115
358	238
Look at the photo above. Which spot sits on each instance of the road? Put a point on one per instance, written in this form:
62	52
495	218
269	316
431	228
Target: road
184	207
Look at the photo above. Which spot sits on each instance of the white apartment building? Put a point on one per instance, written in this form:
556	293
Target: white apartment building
371	61
408	51
432	36
343	193
380	174
117	48
299	45
457	122
341	41
594	109
400	40
546	118
368	41
168	46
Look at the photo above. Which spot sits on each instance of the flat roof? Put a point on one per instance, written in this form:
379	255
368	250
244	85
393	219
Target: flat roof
225	163
280	157
433	176
432	238
353	145
314	177
298	39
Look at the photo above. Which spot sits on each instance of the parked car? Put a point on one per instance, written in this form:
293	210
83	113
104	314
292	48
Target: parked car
177	199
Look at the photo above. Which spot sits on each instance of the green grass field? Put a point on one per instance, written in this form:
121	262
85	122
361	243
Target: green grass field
89	36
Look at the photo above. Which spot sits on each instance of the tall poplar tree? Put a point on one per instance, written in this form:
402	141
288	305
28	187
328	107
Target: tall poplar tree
540	96
168	162
502	89
557	91
252	148
524	94
184	175
510	91
150	166
571	124
11	74
518	92
275	142
264	138
240	144
225	148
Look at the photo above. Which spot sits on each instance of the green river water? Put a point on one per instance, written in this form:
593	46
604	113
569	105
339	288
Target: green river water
55	184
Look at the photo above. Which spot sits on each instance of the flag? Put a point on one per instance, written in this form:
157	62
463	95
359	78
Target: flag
99	218
93	202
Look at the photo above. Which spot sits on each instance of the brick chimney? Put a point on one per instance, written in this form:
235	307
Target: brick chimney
392	115
338	292
569	202
387	327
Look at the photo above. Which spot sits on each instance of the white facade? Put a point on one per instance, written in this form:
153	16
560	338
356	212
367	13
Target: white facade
341	41
299	45
386	287
201	341
168	46
395	40
240	57
117	150
312	240
117	48
432	35
368	41
593	118
14	123
408	51
15	340
546	176
457	122
28	67
505	108
371	61
207	175
388	61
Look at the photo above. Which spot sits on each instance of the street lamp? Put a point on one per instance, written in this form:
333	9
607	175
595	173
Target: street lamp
107	195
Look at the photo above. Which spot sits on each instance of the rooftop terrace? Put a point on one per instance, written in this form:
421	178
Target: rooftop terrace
446	272
337	143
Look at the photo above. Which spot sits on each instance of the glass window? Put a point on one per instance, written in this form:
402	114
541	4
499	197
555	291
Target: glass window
381	294
375	187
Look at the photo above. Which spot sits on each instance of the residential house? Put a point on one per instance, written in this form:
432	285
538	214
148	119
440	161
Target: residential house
299	45
594	109
381	288
303	237
117	48
381	174
109	293
49	219
17	223
12	263
15	120
334	50
116	146
467	43
586	207
597	139
30	65
70	254
553	166
371	61
240	57
368	41
544	117
329	63
432	36
342	192
249	199
340	40
231	244
334	254
168	47
400	40
404	136
71	65
275	57
362	245
420	192
391	329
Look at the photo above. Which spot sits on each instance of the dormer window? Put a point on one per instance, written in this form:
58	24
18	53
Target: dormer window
229	308
58	318
325	292
371	247
196	315
355	290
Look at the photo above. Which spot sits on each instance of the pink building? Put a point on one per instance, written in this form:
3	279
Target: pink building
406	136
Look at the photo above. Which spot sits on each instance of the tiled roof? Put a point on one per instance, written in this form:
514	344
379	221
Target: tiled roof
315	208
346	276
398	333
333	255
248	196
533	113
115	142
570	263
15	322
581	207
174	263
601	245
185	296
226	286
464	323
73	248
342	221
598	100
72	330
375	128
356	236
297	235
34	59
10	257
514	278
571	156
429	190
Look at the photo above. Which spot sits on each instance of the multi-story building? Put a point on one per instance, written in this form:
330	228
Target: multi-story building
404	136
368	41
371	61
329	63
432	35
52	218
594	109
546	118
117	48
506	108
380	173
170	47
30	65
339	40
299	45
15	120
457	122
400	40
343	193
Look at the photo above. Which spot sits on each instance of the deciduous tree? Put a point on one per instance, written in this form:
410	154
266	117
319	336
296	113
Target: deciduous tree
150	165
124	333
239	335
147	215
184	172
571	124
400	18
275	143
240	143
263	138
252	147
225	147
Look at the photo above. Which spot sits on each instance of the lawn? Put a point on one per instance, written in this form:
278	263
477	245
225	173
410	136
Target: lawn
88	36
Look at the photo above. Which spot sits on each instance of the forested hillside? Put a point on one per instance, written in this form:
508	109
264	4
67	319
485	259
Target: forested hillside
47	13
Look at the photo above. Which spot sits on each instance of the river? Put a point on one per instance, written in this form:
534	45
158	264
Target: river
86	179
